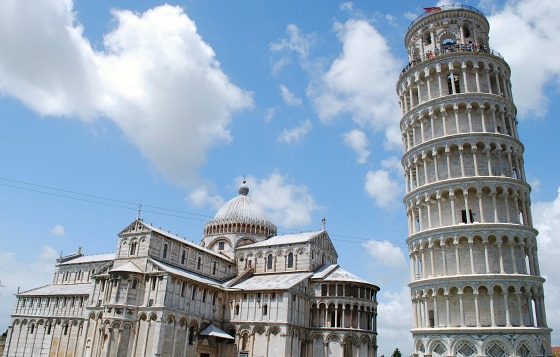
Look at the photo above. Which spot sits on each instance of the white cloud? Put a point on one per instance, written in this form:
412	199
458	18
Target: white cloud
294	135
58	230
444	2
410	15
535	47
386	254
348	6
156	79
287	205
289	97
201	197
16	274
546	217
535	183
394	321
393	163
296	42
360	82
357	141
384	190
270	114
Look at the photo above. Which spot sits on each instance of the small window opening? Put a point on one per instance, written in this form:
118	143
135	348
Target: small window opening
291	260
464	216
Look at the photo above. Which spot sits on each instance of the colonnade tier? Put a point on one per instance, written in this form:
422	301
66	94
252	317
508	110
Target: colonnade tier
504	233
459	159
342	315
468	202
476	257
473	116
454	74
216	227
505	304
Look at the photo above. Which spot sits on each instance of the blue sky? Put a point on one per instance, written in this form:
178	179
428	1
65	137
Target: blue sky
107	105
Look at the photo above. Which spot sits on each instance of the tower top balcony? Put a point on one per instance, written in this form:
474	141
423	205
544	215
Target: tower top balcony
436	9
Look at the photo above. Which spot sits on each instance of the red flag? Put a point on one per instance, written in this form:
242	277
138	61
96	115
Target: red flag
431	10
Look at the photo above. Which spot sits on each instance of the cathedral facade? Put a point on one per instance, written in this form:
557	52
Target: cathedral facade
475	281
244	291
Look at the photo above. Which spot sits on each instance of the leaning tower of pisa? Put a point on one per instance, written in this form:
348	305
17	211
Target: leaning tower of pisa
475	284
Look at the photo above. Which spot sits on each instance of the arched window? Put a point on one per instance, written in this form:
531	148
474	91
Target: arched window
191	335
165	251
237	309
132	248
134	283
199	264
32	329
265	309
291	260
183	257
244	343
214	268
455	84
269	262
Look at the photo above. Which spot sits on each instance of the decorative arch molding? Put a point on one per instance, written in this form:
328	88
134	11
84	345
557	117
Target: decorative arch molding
497	346
465	346
437	347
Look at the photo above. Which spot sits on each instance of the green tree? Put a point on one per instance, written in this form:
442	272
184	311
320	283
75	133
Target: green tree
396	353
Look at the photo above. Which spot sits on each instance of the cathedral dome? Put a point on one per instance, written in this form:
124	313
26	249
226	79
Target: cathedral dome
240	215
241	209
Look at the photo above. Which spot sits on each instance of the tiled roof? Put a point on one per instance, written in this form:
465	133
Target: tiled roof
285	239
91	259
185	273
324	271
59	290
340	274
213	330
272	281
127	267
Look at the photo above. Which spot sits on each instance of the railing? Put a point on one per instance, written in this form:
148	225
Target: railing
446	50
444	8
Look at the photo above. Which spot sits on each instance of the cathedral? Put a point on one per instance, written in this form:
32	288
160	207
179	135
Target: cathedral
244	291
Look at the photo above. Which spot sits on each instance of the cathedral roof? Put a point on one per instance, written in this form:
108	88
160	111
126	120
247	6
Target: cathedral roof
91	259
185	273
336	273
58	290
272	281
129	267
213	330
286	239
